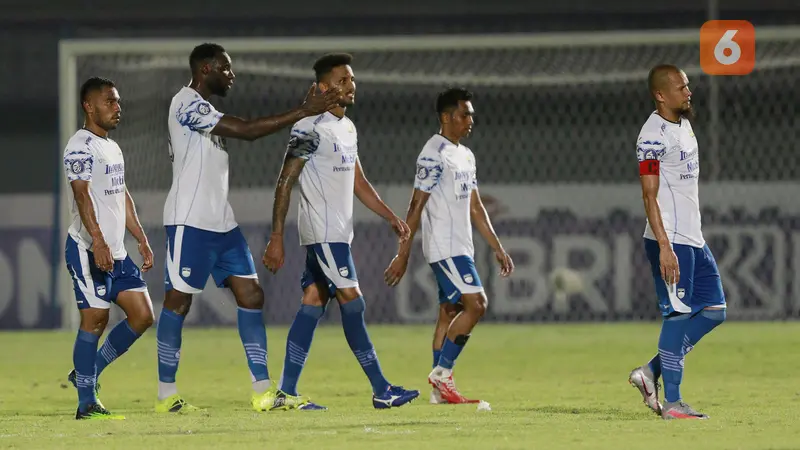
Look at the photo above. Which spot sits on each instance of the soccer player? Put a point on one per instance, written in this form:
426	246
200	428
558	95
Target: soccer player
203	237
687	280
328	145
96	258
446	201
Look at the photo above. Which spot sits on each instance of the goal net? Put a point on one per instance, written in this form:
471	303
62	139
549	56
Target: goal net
557	116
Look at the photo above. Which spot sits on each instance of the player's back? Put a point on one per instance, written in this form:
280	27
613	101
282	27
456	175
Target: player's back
99	160
448	172
198	196
330	146
675	147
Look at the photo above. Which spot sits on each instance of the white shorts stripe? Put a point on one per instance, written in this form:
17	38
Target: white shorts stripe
676	303
452	273
331	271
174	260
87	285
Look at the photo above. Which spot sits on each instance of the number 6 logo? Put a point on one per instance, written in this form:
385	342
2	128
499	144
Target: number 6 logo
727	47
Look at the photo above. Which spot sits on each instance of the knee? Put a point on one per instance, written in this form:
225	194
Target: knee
316	295
178	302
447	313
141	320
451	311
347	295
716	314
353	307
94	323
252	297
478	306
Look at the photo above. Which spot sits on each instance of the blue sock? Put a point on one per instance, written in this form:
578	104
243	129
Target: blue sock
670	350
83	356
298	342
436	354
254	339
118	341
699	325
450	352
355	331
168	339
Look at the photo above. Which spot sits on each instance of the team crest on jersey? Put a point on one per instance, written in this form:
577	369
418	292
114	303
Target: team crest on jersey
468	278
344	271
422	172
77	167
203	108
101	290
186	272
681	293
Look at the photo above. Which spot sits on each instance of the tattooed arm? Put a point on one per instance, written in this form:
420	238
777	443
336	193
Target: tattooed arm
303	144
290	172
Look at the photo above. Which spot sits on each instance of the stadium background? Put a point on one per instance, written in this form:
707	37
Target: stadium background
556	160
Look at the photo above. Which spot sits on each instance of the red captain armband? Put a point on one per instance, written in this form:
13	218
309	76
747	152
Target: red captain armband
649	167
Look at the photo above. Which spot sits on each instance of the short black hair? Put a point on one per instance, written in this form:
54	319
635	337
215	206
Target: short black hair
657	75
325	64
94	84
204	53
447	100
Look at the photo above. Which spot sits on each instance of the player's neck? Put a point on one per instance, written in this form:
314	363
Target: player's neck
339	111
668	115
452	137
197	86
95	129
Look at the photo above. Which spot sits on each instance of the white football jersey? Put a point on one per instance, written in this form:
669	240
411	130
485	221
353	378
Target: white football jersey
199	193
330	147
675	147
448	173
99	160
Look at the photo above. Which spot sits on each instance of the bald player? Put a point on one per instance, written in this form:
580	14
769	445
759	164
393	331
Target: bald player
687	280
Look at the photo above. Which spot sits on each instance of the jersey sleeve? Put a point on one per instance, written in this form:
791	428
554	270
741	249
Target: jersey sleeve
303	142
78	163
650	149
429	170
199	115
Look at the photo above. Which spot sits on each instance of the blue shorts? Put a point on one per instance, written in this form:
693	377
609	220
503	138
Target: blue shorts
95	288
330	264
194	254
456	276
700	285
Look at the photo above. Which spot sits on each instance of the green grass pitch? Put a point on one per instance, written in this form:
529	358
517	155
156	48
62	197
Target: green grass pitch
550	386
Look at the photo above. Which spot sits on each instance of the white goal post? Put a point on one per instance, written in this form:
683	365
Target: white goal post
168	53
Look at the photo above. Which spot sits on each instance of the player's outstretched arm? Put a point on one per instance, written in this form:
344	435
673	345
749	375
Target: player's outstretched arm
290	172
668	260
135	229
367	195
100	249
481	221
249	130
397	268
